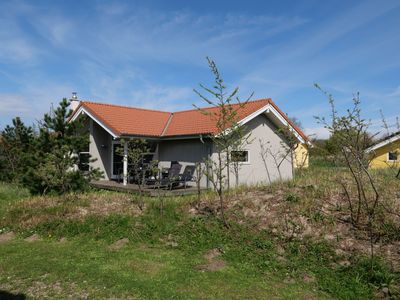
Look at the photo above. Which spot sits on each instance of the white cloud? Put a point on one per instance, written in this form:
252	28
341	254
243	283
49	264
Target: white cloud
31	103
179	37
317	132
112	8
13	104
164	98
308	58
395	93
15	47
132	87
56	29
112	55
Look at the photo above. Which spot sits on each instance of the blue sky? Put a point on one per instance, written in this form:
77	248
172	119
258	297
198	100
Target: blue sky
152	54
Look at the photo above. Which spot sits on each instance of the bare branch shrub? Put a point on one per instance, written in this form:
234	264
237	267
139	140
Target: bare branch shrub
360	186
289	144
229	134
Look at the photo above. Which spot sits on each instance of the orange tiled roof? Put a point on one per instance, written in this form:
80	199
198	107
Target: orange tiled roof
203	122
123	120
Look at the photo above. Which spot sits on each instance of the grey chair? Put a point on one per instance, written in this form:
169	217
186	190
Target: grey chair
173	176
187	175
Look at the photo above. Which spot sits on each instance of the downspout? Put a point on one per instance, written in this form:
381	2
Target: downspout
125	164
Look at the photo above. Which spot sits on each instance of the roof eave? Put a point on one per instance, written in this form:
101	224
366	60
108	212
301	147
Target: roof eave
383	143
82	109
271	108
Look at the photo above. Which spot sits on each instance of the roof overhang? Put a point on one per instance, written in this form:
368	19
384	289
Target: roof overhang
383	143
270	109
81	110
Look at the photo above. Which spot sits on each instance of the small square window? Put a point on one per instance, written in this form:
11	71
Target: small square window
392	156
240	156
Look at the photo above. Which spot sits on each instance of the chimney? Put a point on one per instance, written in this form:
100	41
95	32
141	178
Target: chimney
74	101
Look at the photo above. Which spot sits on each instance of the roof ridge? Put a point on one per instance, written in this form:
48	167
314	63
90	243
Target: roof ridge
124	106
166	126
163	111
209	107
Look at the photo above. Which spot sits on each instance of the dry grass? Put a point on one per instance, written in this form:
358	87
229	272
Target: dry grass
161	254
149	267
313	206
40	209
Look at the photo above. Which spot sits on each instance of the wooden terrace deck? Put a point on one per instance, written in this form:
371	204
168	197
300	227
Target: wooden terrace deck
148	191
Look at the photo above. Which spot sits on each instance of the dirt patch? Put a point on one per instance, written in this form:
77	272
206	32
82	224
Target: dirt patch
212	254
308	278
118	244
8	236
33	238
214	265
40	289
214	262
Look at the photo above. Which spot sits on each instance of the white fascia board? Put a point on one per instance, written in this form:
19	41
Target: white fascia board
383	143
255	114
267	109
247	119
83	110
286	123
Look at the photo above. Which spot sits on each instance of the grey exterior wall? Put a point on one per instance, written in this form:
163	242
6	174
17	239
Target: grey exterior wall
255	172
187	152
100	149
191	151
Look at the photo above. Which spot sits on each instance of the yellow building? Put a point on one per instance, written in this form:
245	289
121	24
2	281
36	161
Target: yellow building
386	153
301	156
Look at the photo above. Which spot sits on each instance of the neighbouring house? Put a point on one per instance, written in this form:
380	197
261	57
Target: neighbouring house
386	152
301	155
184	136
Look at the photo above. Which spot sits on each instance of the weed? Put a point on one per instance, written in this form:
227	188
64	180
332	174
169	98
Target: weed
292	197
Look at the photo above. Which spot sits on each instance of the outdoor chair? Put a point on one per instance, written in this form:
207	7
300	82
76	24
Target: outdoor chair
186	176
174	181
172	177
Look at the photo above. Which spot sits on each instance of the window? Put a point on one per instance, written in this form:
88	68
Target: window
116	159
392	156
84	160
240	156
84	157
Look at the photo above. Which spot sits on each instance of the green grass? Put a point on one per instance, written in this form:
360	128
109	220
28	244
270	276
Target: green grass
150	268
142	271
9	195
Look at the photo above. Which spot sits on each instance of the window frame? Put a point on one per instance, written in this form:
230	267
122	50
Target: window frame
88	163
395	153
241	162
